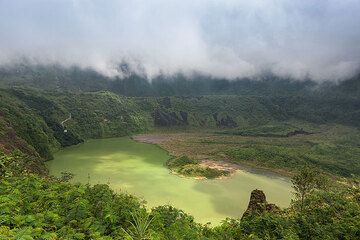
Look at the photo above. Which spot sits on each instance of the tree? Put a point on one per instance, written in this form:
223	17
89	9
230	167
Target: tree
305	182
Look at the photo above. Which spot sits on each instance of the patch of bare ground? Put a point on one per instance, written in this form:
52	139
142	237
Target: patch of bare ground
220	165
151	138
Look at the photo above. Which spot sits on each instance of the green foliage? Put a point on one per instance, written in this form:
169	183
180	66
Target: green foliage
354	189
103	114
328	215
7	165
62	209
211	111
32	207
35	208
16	163
66	176
273	129
180	161
23	122
50	112
333	149
200	171
94	115
172	223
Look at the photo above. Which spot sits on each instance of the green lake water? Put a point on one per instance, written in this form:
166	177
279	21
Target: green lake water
139	169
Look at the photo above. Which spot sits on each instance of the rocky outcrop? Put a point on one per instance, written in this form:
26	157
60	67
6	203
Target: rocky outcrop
165	102
298	132
225	121
184	116
168	119
258	204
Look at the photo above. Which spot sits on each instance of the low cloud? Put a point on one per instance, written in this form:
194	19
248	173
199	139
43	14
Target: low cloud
222	38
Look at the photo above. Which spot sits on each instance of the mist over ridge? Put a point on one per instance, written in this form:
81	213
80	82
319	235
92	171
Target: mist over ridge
223	39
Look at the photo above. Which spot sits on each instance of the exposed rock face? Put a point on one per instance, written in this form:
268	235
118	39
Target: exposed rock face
165	102
184	116
168	119
225	121
258	204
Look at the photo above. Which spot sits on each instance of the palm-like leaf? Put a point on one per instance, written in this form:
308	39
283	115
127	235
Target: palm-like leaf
139	229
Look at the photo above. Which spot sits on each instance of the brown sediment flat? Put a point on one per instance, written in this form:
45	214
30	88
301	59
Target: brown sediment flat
151	138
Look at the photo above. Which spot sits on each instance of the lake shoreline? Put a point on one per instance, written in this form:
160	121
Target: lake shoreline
138	169
232	168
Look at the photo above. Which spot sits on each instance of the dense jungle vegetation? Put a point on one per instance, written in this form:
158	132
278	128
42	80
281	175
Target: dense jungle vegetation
250	119
34	207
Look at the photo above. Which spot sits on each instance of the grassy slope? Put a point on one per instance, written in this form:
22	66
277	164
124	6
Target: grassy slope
331	148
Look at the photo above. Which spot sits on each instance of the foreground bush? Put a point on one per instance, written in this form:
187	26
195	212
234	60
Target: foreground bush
32	207
35	208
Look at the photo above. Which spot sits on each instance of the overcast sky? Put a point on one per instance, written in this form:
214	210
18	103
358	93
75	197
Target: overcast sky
223	38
